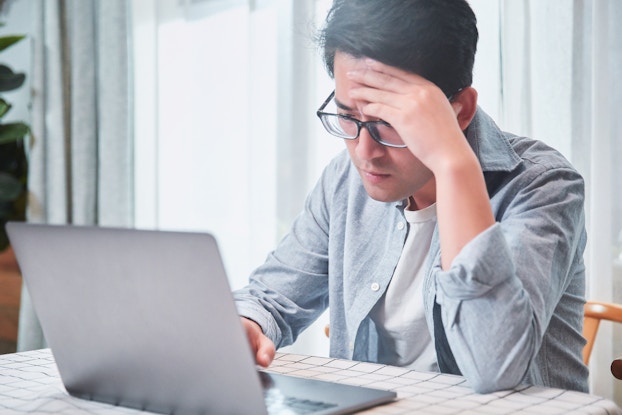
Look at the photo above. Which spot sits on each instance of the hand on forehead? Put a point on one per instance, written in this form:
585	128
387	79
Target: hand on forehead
363	71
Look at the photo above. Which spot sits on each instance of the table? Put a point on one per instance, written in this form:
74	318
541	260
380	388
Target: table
30	384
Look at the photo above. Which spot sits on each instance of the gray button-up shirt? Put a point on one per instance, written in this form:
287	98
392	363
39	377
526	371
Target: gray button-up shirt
512	301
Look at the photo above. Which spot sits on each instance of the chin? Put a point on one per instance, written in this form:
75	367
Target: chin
382	196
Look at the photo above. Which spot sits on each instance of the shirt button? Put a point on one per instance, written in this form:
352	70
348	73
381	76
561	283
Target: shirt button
400	225
375	286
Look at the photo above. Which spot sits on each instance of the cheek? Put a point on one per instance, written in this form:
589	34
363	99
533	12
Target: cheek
351	146
411	169
405	161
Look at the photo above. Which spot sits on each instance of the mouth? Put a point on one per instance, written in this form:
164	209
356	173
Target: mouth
374	176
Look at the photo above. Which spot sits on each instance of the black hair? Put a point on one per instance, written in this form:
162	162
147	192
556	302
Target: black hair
436	39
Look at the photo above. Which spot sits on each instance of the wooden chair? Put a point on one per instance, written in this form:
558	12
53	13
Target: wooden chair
596	311
616	368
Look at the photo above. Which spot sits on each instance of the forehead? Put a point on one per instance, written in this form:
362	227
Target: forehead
344	61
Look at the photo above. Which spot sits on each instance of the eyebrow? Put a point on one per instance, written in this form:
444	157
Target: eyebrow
341	105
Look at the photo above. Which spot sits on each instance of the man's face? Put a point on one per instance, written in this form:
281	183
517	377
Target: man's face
388	174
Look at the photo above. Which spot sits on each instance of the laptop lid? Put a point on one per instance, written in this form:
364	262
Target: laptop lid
146	319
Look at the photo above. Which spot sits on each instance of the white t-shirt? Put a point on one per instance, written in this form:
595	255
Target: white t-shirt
404	339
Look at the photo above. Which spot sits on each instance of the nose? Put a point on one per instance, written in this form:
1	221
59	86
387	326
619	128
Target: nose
367	148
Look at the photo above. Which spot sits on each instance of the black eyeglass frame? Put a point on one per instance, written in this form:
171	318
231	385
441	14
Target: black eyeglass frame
359	124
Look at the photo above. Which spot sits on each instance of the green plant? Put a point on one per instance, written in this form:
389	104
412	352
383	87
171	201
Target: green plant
13	155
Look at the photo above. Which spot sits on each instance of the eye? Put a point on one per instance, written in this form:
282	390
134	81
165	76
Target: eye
346	114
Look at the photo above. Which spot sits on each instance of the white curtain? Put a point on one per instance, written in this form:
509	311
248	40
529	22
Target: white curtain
561	63
227	140
81	163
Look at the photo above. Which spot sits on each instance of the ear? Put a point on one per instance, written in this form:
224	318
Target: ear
464	104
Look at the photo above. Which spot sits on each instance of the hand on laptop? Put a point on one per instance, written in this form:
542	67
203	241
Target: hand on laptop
261	345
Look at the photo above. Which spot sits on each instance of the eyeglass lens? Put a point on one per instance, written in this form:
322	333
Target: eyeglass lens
347	128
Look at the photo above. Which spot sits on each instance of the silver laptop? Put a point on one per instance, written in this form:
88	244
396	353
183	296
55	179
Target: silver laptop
146	319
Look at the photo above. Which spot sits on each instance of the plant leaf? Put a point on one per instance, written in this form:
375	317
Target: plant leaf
6	41
10	187
10	80
13	132
4	107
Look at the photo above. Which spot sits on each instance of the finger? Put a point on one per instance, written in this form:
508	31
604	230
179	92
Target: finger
377	100
411	98
380	75
375	79
265	351
381	112
393	71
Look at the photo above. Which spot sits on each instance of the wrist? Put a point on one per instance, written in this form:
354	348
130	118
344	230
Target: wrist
456	164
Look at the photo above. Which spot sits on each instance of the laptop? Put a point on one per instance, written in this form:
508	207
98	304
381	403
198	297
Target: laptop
146	319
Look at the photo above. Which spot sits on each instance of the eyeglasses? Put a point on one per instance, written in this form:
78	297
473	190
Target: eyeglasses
349	128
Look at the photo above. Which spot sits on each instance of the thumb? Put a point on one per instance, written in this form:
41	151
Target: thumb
265	351
262	347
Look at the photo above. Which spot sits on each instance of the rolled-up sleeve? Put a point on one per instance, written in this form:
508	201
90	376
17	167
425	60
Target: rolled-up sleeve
500	293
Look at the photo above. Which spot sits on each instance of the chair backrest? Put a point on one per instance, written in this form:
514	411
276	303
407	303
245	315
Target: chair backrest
616	368
596	311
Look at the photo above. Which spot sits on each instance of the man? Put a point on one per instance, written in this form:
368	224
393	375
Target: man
437	241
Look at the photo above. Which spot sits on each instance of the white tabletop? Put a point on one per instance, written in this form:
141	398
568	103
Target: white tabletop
30	384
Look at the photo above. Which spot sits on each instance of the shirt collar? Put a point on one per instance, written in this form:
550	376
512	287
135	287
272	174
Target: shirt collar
490	144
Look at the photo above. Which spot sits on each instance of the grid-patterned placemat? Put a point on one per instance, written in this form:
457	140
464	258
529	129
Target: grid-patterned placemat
30	384
434	393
